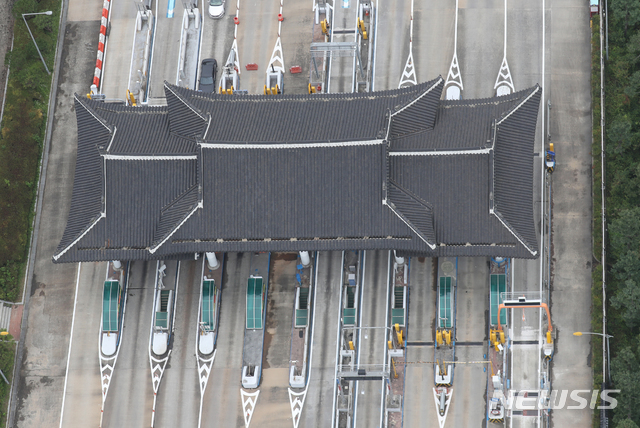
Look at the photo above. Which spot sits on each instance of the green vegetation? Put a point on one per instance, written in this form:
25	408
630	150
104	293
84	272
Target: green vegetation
622	139
7	353
22	136
596	275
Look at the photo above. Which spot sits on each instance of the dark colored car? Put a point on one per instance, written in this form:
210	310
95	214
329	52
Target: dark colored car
208	71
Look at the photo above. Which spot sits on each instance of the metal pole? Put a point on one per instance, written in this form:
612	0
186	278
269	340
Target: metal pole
603	206
606	16
608	361
549	119
34	40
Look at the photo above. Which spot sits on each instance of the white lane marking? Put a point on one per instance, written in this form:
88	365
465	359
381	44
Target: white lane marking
383	398
542	179
296	405
442	418
248	405
454	77
73	319
108	364
277	57
335	375
156	365
360	307
504	75
204	369
408	77
157	371
204	364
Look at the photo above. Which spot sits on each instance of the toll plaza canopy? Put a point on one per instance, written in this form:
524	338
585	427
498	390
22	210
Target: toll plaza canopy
401	169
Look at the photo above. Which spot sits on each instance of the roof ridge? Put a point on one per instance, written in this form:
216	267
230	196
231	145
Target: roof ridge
439	81
513	231
428	236
411	194
487	100
184	118
174	229
418	114
179	197
534	90
83	102
213	97
169	87
511	134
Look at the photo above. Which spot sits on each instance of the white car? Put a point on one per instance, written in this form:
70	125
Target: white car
216	8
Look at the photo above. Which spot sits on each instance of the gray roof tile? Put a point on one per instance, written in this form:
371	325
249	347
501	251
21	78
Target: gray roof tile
476	116
141	130
296	118
513	175
86	201
314	180
418	215
185	119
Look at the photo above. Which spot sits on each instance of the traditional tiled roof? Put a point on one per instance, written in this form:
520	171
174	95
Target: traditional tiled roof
297	118
390	170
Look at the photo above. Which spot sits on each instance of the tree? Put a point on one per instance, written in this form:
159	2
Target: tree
627	423
627	299
624	233
626	12
620	138
626	377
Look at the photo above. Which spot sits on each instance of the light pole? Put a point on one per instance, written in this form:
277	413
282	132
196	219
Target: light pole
34	40
606	336
606	16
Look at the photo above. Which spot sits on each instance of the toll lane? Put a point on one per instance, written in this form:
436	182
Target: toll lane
343	29
524	329
296	36
131	398
84	399
472	306
257	35
524	35
319	404
273	409
480	45
418	396
369	395
180	382
166	49
433	37
115	74
468	406
392	42
222	401
472	299
217	37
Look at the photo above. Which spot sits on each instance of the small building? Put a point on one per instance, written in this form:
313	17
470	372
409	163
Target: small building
594	7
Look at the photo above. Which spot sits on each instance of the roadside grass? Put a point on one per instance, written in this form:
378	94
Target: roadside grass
7	353
22	136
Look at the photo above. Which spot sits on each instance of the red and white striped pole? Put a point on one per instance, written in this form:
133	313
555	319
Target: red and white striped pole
97	75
